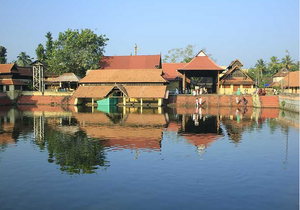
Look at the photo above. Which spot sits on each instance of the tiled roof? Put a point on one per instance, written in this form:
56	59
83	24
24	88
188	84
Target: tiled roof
201	62
132	91
67	77
11	82
292	79
124	76
237	80
92	91
130	62
282	73
146	91
25	71
8	68
170	70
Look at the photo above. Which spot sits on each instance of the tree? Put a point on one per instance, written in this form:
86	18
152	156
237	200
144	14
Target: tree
274	65
76	51
261	69
287	62
3	55
49	45
40	52
23	59
182	55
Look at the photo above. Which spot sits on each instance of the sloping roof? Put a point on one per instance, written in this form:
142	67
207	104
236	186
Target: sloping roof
11	82
92	91
131	62
281	73
132	91
8	68
67	77
170	70
292	79
25	71
201	62
146	91
124	76
235	62
241	81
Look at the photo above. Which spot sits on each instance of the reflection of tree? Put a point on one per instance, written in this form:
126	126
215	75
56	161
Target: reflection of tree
76	154
272	124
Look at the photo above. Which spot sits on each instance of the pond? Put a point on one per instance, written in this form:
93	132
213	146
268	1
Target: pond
133	158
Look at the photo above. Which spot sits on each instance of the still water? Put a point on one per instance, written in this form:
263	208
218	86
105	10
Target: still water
65	158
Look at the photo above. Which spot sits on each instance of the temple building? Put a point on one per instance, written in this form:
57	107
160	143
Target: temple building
122	87
131	62
201	66
235	78
11	80
173	76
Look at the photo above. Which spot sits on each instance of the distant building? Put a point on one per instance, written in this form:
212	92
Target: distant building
124	87
131	62
290	83
173	76
235	78
280	75
11	80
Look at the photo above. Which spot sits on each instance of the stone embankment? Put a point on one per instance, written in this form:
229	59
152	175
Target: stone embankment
288	102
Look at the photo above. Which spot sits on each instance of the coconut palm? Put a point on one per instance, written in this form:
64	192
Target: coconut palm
287	62
23	59
274	65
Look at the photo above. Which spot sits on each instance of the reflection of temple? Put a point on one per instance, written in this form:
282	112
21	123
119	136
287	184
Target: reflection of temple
200	129
123	131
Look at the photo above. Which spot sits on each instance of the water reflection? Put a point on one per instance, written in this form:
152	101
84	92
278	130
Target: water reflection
79	142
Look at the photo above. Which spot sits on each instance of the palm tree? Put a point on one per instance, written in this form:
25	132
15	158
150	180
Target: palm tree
287	62
273	65
23	59
261	67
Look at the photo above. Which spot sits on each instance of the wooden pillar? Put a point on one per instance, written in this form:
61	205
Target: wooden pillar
183	82
159	102
124	101
141	106
218	88
93	109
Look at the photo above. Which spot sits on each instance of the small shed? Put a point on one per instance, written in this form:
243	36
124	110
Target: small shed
67	81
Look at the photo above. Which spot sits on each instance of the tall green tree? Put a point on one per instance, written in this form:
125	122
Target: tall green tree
23	59
49	45
40	52
274	65
287	62
3	55
261	68
76	51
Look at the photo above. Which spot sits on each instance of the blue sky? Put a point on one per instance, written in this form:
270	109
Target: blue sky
247	30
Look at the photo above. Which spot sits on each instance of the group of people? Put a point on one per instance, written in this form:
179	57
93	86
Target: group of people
199	91
240	98
261	92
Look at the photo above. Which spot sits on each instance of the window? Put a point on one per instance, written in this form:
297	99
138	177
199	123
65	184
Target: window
7	87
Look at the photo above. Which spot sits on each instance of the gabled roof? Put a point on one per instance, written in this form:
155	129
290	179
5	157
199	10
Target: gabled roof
281	73
235	62
248	79
8	68
170	70
124	76
201	62
131	62
67	77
